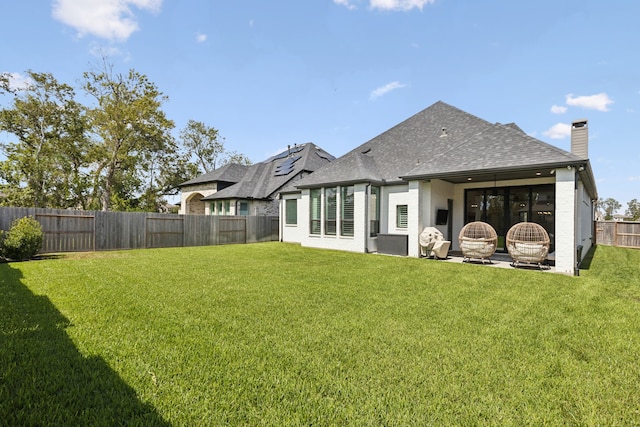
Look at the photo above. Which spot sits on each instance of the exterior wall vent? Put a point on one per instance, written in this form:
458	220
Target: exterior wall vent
580	139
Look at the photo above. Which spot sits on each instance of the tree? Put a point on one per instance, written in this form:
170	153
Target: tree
5	82
131	133
633	210
46	167
609	206
236	158
202	142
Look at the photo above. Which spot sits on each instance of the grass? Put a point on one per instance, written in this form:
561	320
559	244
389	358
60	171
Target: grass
276	334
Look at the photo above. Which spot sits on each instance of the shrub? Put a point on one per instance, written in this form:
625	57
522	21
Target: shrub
23	240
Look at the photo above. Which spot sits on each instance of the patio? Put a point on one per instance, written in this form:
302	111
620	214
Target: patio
498	260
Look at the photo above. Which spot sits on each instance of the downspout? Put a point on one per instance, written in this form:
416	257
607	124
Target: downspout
576	223
281	214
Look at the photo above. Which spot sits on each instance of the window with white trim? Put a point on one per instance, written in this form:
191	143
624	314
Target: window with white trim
374	211
244	208
330	211
346	210
291	211
315	214
402	216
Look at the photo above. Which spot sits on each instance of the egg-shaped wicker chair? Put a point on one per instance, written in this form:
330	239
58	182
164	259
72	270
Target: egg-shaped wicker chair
477	240
528	242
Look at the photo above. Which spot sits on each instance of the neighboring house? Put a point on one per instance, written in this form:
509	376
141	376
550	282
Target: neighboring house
444	167
250	190
621	217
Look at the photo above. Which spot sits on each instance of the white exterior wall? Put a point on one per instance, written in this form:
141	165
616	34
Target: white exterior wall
357	243
586	218
438	195
574	222
393	196
566	220
415	218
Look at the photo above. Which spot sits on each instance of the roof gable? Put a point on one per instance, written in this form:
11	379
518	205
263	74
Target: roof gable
263	180
497	147
227	173
438	140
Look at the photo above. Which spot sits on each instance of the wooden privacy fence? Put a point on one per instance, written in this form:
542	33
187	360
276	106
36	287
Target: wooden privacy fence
80	231
618	233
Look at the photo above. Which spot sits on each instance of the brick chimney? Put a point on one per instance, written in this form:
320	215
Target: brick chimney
580	138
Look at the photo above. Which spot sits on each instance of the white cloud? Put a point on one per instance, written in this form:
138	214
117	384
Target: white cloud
600	101
399	4
558	109
403	5
108	19
346	3
383	90
558	131
633	178
18	82
201	38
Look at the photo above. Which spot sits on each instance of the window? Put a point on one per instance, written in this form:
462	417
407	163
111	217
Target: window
503	207
315	211
227	207
244	208
219	210
401	216
291	211
346	211
330	210
374	211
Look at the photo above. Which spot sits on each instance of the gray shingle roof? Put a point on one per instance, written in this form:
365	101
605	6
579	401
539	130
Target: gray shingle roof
226	173
437	141
263	180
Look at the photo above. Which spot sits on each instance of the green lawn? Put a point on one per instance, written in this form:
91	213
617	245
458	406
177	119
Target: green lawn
276	334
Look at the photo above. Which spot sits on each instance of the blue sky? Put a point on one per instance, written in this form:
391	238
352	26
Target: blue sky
339	72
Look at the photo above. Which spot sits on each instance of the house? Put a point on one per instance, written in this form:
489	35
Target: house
622	218
444	167
237	189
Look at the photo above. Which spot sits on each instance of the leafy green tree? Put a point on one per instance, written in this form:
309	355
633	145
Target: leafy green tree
203	144
5	82
46	166
130	130
633	210
608	206
235	157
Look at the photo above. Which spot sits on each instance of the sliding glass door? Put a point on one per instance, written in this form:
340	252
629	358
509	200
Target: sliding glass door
503	207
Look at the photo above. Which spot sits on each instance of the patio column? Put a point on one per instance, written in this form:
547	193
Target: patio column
565	237
414	220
